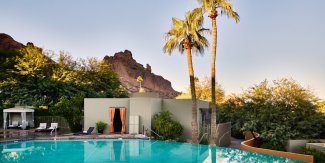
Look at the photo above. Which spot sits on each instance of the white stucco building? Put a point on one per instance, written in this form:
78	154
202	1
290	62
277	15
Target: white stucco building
134	114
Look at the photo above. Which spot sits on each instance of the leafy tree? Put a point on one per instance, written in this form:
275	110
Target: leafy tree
71	110
7	63
32	77
186	35
214	7
203	91
34	63
99	76
321	106
29	79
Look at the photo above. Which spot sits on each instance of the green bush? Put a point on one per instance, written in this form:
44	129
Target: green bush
273	146
319	157
166	127
100	125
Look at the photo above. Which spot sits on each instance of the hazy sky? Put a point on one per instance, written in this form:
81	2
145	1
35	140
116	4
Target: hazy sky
275	39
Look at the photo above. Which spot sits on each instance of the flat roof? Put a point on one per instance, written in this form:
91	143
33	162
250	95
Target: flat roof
19	109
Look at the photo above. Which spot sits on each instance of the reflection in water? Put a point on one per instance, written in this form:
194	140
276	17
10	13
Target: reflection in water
117	151
125	151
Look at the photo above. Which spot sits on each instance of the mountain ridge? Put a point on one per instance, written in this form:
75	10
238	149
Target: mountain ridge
124	65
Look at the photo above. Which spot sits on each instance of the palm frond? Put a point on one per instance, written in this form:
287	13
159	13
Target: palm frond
227	9
177	23
204	31
181	47
197	49
207	5
170	45
189	29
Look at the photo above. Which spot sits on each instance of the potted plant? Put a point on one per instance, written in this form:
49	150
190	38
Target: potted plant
101	126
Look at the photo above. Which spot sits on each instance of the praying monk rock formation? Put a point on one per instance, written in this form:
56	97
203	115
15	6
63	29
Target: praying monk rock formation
129	69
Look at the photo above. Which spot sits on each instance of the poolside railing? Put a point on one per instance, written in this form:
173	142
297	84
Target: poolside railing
204	134
155	133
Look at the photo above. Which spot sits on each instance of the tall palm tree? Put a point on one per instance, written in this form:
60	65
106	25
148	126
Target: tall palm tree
214	7
187	35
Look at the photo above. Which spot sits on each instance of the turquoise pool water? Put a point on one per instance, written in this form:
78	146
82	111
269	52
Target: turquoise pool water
126	150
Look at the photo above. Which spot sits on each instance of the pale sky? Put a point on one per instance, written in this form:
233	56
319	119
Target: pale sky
275	39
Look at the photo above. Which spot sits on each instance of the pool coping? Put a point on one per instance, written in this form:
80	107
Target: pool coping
76	137
58	139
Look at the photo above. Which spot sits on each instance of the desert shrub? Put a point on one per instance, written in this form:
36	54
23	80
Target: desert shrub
319	157
164	125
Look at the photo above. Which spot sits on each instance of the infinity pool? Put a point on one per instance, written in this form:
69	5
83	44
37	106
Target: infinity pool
126	150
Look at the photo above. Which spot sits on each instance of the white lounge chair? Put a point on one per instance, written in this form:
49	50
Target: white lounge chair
14	124
42	126
53	125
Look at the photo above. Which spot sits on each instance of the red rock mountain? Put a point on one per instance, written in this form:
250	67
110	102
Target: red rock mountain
129	69
8	43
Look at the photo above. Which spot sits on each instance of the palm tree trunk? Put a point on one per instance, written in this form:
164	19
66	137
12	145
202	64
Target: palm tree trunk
195	133
213	135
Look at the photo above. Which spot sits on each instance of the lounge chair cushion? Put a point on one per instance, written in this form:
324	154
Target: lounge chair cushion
89	131
53	125
42	126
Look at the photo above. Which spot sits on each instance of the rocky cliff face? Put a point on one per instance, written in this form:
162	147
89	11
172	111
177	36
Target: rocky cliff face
124	65
129	69
8	43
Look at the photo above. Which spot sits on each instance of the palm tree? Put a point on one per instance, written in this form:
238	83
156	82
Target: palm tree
187	35
214	7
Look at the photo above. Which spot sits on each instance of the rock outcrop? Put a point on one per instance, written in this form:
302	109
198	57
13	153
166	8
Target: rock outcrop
129	69
8	43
